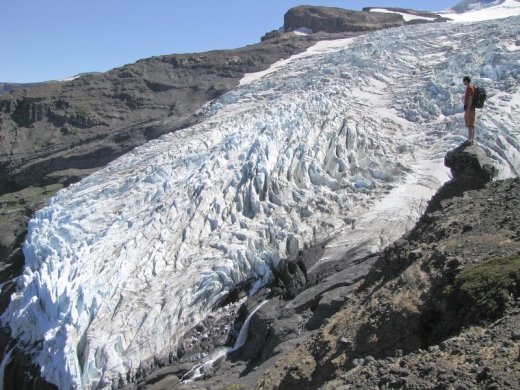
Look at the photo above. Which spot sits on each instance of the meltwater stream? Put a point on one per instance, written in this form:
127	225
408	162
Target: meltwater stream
205	365
3	365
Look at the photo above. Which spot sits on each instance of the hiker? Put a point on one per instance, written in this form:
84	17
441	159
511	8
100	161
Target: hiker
469	109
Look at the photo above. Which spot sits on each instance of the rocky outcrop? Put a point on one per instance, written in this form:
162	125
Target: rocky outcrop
470	166
336	20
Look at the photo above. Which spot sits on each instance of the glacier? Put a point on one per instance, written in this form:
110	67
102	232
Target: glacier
345	143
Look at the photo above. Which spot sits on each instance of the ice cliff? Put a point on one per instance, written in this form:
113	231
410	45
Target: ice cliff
346	143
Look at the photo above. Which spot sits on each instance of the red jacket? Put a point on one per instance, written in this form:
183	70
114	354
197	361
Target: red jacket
470	92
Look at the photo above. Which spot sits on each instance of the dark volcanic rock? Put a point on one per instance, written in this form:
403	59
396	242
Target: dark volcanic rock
470	166
270	35
336	20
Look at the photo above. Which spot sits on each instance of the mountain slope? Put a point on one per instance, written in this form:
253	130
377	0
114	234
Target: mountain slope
345	145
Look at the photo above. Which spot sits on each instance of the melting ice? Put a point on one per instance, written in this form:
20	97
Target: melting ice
346	144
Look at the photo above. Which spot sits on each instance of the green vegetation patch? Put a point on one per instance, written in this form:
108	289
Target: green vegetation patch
484	291
16	203
82	113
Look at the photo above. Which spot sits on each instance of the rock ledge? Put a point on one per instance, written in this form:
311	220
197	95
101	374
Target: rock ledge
470	166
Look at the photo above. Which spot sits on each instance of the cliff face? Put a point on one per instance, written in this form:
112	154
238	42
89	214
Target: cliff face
335	20
59	132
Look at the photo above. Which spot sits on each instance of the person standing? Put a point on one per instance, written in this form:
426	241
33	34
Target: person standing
470	118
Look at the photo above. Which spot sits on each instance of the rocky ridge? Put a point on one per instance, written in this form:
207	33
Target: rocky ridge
334	20
338	20
6	87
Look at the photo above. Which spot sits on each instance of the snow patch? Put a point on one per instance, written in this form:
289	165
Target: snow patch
303	31
478	14
319	48
70	78
406	17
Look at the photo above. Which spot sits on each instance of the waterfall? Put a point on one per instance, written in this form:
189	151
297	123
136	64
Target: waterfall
5	362
205	364
242	336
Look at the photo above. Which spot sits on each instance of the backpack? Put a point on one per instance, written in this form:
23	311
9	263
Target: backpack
480	97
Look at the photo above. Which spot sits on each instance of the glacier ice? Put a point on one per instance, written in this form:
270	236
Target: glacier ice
345	145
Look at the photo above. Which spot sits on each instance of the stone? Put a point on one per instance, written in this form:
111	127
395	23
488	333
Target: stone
470	166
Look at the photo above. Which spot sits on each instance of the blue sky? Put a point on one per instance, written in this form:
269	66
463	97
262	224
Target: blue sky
54	39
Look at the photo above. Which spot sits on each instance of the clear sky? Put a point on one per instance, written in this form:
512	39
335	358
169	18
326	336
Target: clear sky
54	39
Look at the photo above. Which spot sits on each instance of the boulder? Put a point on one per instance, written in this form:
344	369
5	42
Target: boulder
470	166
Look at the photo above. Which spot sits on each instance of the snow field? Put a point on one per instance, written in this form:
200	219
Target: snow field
346	143
478	13
406	17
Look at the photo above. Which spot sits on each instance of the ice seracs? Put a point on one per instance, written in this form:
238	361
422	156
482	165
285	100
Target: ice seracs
345	144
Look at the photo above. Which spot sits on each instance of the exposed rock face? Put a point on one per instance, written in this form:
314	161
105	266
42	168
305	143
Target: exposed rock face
271	34
470	166
336	20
